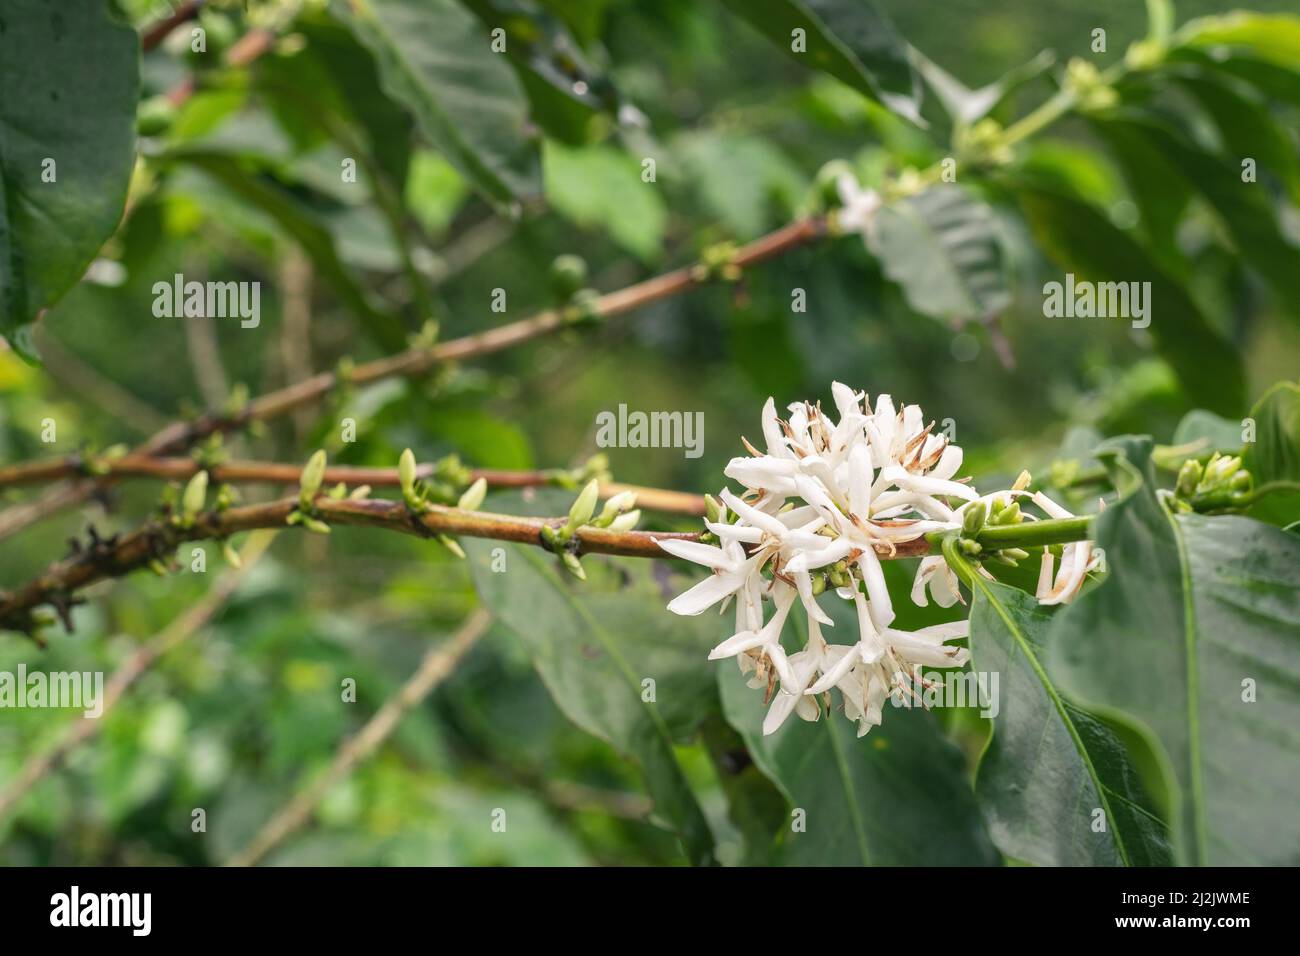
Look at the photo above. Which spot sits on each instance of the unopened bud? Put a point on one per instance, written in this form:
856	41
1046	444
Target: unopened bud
1189	476
196	493
406	472
627	521
623	501
571	562
584	506
973	518
473	496
313	473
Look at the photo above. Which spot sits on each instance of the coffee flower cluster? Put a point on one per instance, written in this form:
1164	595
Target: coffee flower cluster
820	506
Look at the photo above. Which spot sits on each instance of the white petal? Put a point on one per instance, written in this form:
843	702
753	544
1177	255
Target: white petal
704	554
706	594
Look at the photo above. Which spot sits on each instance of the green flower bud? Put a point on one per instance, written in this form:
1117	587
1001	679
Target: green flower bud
570	561
406	473
473	496
452	545
818	584
1189	476
627	521
1241	481
712	509
568	275
313	473
196	493
623	501
973	518
583	507
1010	514
315	524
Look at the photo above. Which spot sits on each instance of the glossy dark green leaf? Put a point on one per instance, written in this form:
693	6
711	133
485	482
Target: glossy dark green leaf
69	81
1271	37
308	229
1274	454
1193	642
1161	195
1054	783
435	57
565	91
595	645
852	40
1244	207
1080	238
942	248
1204	432
1246	127
898	796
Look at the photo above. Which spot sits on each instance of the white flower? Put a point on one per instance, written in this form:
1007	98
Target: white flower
1077	559
824	501
858	206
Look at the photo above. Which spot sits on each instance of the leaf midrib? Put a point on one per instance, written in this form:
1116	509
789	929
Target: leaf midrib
1023	643
1197	783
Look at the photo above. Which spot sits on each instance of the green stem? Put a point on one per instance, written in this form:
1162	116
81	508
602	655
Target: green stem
1028	534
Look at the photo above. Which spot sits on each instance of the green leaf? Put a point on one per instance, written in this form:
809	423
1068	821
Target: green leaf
1079	237
965	105
1160	193
565	92
1209	432
942	248
308	229
1246	128
1193	642
435	58
594	643
69	81
1274	455
1049	766
852	40
1272	37
599	186
1244	208
898	796
745	181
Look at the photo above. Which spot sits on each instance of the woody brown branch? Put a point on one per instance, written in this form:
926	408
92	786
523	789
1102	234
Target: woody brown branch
235	472
118	556
416	361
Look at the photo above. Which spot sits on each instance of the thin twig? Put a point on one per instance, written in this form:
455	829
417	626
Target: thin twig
277	473
440	661
120	555
153	35
418	361
191	622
